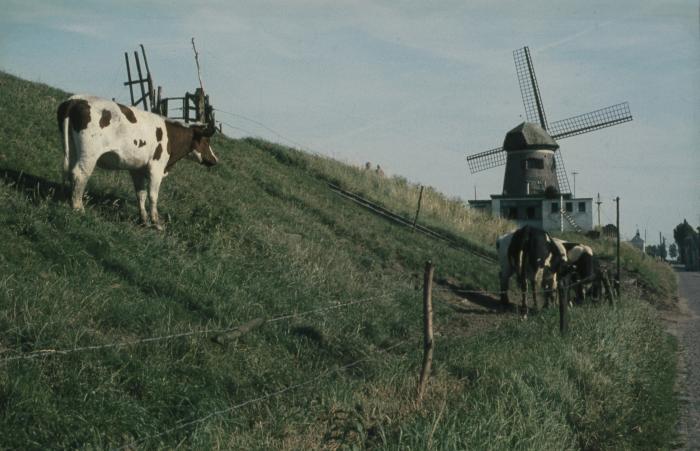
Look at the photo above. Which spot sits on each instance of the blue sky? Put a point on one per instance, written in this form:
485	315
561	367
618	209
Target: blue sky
413	86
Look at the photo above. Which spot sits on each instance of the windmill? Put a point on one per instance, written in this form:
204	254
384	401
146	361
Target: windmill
534	164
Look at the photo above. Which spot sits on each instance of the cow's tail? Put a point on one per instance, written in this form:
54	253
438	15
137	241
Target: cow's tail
66	146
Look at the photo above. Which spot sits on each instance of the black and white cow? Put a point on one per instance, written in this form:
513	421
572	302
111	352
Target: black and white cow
532	255
99	132
584	271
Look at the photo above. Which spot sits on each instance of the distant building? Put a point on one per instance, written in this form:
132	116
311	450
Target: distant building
609	230
637	241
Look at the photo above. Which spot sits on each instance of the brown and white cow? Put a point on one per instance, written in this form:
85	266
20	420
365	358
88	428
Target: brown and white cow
532	255
99	132
584	271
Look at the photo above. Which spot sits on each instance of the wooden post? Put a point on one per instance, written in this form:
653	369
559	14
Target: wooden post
618	288
563	305
159	97
420	198
128	74
427	328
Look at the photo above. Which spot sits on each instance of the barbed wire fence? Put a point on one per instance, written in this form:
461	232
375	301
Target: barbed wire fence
214	332
424	375
205	332
274	394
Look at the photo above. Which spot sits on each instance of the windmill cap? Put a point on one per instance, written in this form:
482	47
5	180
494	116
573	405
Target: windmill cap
529	136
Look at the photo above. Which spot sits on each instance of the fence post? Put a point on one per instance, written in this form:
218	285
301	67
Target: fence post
563	305
427	328
420	198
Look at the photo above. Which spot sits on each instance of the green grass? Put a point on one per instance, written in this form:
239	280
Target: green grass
261	236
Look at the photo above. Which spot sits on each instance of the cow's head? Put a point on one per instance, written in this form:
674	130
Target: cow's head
201	147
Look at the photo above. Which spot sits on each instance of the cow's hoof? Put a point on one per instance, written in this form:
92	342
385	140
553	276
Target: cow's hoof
158	227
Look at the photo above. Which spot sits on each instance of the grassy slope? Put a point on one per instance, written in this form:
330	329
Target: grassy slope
261	235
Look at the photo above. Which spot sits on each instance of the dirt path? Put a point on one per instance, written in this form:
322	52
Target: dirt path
685	324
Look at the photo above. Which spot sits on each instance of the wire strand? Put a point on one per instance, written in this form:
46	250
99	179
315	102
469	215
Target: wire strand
260	398
51	352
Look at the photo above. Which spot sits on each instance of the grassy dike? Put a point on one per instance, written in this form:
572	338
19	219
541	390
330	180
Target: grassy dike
261	236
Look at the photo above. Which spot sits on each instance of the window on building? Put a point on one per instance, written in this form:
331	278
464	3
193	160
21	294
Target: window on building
512	213
569	207
530	212
581	207
555	207
533	163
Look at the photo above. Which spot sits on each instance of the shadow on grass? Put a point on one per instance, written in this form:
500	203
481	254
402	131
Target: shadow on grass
488	301
38	189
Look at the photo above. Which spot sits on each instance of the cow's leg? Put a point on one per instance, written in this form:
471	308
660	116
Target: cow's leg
80	173
580	293
139	179
537	284
504	276
523	292
154	187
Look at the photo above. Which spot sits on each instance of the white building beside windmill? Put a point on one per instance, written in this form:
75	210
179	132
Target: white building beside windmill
535	186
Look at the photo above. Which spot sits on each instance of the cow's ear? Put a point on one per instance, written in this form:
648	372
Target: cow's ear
198	130
205	131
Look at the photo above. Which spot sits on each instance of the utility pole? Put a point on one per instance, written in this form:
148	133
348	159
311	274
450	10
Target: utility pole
574	174
600	202
617	275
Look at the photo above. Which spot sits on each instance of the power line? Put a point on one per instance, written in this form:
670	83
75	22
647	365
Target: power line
271	130
246	118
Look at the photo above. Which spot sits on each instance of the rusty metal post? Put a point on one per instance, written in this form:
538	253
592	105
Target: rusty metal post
427	328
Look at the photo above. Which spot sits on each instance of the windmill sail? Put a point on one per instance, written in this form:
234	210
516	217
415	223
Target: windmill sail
562	179
595	120
530	91
486	160
534	112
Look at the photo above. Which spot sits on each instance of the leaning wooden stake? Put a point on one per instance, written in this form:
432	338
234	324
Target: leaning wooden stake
196	60
427	329
420	198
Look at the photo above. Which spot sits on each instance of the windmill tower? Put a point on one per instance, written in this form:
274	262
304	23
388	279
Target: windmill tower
534	166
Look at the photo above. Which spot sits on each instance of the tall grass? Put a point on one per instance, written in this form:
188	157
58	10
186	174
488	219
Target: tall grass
261	236
524	387
398	194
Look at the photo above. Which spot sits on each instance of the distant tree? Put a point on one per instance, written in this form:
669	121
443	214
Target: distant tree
661	250
680	233
673	251
610	230
651	250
